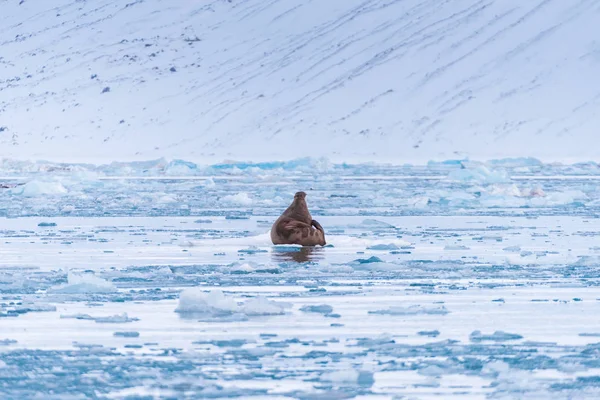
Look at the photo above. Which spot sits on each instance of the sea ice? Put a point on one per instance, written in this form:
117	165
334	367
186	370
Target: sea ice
261	306
82	284
497	336
412	310
480	174
197	301
216	304
320	309
37	188
241	199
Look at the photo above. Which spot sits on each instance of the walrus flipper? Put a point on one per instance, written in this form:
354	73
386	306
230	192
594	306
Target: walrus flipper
317	225
298	232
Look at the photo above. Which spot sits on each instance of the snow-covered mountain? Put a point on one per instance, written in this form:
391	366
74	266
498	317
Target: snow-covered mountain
379	80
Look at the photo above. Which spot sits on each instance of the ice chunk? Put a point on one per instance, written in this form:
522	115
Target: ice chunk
262	306
349	377
498	336
209	183
180	168
77	316
456	247
34	307
375	224
46	224
84	283
479	174
214	305
434	333
369	260
115	319
132	334
241	199
513	249
495	367
320	309
390	246
431	370
412	310
245	268
37	188
196	301
342	376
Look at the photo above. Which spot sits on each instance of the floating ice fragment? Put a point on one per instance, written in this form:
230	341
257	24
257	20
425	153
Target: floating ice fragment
495	367
366	378
115	319
131	334
434	333
84	283
512	249
587	261
239	268
431	370
242	199
456	247
369	260
342	376
180	168
412	310
390	246
209	183
7	342
225	343
166	199
349	377
77	316
479	174
196	301
262	306
252	250
320	309
34	307
498	336
373	223
37	188
46	224
215	305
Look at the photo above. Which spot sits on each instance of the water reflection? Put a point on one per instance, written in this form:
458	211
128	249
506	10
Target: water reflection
297	254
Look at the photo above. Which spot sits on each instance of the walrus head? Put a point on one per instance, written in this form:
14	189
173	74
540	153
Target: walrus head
298	210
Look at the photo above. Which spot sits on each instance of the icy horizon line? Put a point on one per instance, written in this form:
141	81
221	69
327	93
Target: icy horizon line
304	161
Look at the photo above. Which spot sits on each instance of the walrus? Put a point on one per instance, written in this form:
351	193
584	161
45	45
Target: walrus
296	226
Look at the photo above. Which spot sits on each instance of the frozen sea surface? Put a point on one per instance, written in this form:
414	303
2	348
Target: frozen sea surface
451	281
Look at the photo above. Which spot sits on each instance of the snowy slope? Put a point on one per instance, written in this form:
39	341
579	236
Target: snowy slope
379	80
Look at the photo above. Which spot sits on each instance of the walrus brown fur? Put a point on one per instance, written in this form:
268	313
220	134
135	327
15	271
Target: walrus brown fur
296	226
